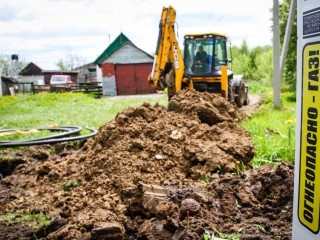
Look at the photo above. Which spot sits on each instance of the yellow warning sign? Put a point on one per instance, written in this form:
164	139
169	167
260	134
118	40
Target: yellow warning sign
309	182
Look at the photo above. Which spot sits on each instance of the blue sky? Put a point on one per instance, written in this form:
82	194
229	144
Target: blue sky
43	31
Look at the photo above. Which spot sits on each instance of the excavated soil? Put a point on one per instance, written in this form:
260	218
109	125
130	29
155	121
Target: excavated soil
151	173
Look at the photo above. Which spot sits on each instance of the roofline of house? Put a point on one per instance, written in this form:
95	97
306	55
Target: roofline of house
85	65
60	71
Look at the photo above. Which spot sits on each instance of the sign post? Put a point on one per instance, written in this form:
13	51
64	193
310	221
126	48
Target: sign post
306	208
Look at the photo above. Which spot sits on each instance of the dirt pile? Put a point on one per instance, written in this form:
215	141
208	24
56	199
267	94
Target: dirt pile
158	174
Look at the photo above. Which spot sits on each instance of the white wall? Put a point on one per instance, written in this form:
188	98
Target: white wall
129	54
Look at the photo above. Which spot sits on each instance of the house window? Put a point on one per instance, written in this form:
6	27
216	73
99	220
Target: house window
92	75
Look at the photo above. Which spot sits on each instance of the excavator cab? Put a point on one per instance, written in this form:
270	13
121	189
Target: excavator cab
204	55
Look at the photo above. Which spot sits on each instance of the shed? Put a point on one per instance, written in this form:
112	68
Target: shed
125	68
6	83
87	73
31	73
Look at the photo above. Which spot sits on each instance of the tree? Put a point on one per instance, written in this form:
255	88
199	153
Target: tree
244	49
255	64
264	68
62	65
10	68
243	61
71	61
289	72
5	64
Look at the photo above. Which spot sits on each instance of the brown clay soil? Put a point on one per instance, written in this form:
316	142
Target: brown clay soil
151	173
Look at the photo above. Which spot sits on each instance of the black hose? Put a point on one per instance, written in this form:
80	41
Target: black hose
57	138
67	131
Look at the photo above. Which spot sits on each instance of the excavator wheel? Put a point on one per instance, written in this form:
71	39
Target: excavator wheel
246	102
241	98
230	89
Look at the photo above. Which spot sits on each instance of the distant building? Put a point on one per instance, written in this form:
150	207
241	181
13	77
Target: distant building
125	68
88	73
6	84
31	73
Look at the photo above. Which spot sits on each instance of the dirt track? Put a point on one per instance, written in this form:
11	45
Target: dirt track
154	174
254	102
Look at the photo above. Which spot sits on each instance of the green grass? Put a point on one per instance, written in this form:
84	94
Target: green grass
27	134
273	131
221	236
64	109
33	220
258	88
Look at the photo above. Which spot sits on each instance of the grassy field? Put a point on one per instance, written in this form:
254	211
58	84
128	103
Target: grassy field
272	130
65	109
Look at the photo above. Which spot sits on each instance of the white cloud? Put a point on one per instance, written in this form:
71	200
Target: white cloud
41	30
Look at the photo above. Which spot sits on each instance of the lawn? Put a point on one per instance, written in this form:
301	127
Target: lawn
273	133
65	109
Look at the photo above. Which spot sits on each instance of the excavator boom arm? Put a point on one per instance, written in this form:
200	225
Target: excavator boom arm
168	65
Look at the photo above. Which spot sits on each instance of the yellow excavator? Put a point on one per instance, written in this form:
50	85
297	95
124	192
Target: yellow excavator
204	66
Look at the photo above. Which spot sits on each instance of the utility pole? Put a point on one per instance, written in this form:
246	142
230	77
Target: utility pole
276	57
287	35
278	61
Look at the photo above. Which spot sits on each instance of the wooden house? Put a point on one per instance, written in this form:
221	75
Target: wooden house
6	84
31	73
125	68
87	73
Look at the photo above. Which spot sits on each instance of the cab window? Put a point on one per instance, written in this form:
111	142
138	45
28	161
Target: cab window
198	56
220	51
